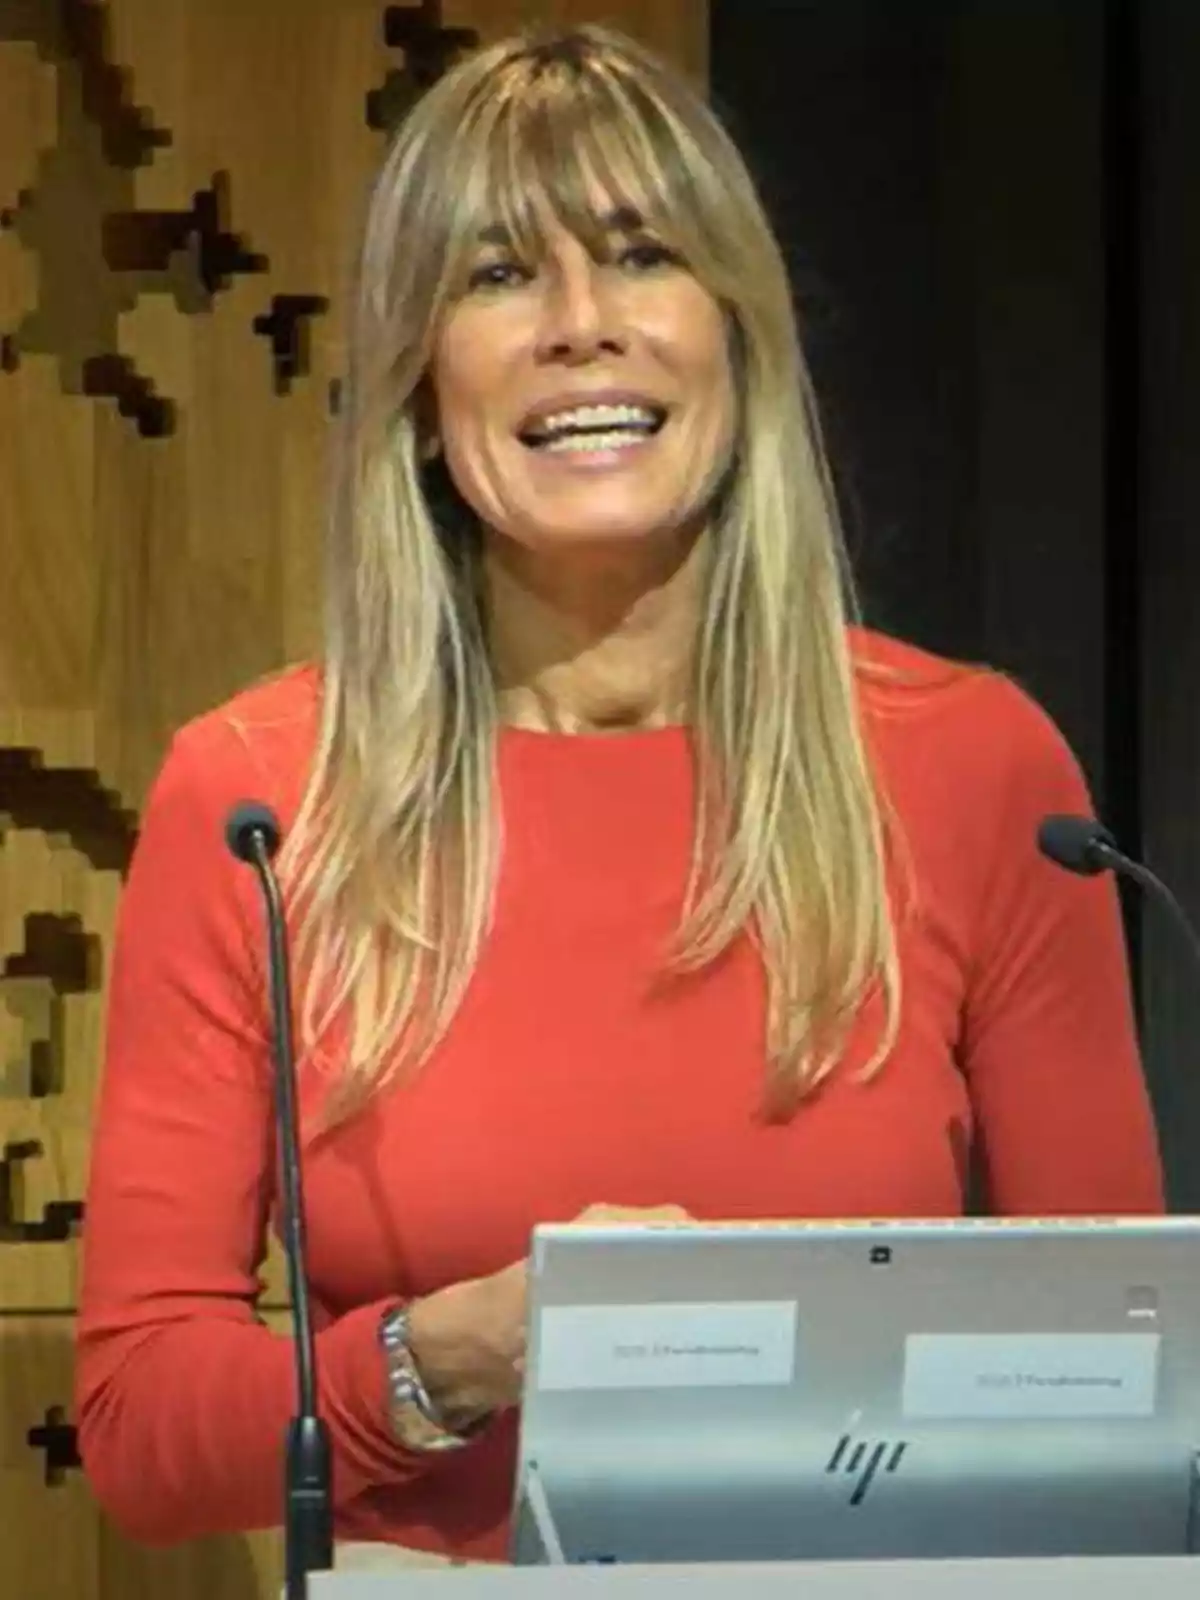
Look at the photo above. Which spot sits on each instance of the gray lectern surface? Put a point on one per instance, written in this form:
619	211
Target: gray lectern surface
837	1392
1065	1579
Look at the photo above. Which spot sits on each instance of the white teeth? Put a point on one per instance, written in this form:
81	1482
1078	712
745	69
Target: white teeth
584	443
598	417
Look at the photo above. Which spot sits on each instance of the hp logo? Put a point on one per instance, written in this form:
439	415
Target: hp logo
862	1461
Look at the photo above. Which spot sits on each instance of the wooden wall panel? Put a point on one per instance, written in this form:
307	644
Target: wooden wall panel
179	184
50	1546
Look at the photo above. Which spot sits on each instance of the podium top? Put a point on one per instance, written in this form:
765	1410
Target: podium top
1165	1578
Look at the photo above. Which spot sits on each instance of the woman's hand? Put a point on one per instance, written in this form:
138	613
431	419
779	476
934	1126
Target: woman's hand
468	1340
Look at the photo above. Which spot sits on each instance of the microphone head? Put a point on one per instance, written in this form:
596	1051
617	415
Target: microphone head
250	828
1080	844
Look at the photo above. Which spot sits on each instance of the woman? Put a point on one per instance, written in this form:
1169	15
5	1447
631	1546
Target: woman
624	872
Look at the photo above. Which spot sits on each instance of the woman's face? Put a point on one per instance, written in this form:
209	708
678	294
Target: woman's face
584	401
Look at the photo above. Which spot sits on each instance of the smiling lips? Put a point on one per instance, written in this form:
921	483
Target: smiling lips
592	428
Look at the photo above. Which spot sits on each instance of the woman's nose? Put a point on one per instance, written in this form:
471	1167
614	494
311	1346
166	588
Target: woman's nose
581	318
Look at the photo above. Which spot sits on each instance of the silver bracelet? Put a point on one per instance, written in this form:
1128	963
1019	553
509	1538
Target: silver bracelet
415	1418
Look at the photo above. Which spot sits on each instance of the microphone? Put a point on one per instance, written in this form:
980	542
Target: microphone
253	834
1086	847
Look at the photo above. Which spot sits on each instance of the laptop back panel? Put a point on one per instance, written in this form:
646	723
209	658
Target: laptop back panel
851	1391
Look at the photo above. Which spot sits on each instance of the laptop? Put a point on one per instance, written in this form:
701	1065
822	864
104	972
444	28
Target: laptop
778	1392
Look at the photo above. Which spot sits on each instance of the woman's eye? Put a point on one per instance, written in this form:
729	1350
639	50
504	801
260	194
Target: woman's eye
647	255
497	275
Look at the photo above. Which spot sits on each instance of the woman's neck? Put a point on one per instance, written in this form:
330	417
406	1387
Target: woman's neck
592	643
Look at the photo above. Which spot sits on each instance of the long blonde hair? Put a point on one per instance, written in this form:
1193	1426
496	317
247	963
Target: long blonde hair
391	865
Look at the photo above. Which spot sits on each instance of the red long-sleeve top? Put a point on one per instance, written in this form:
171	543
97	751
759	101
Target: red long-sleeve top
567	1078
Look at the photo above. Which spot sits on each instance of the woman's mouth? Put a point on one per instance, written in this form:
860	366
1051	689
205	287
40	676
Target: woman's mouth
594	429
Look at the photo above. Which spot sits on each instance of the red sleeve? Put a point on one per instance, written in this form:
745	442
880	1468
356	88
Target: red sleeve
182	1395
1050	1046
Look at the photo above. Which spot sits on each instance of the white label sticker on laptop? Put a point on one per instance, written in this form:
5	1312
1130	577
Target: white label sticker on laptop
728	1345
1043	1376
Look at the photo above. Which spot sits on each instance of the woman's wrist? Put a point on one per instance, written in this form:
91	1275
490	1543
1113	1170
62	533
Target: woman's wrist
417	1421
446	1355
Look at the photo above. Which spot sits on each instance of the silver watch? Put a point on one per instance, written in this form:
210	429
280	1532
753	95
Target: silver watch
414	1417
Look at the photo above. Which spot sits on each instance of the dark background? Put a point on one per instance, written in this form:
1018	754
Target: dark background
992	213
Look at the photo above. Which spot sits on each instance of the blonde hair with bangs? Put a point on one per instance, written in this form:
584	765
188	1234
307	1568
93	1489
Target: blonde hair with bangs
391	865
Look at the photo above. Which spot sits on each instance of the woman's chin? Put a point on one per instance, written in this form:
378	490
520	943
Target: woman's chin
599	535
